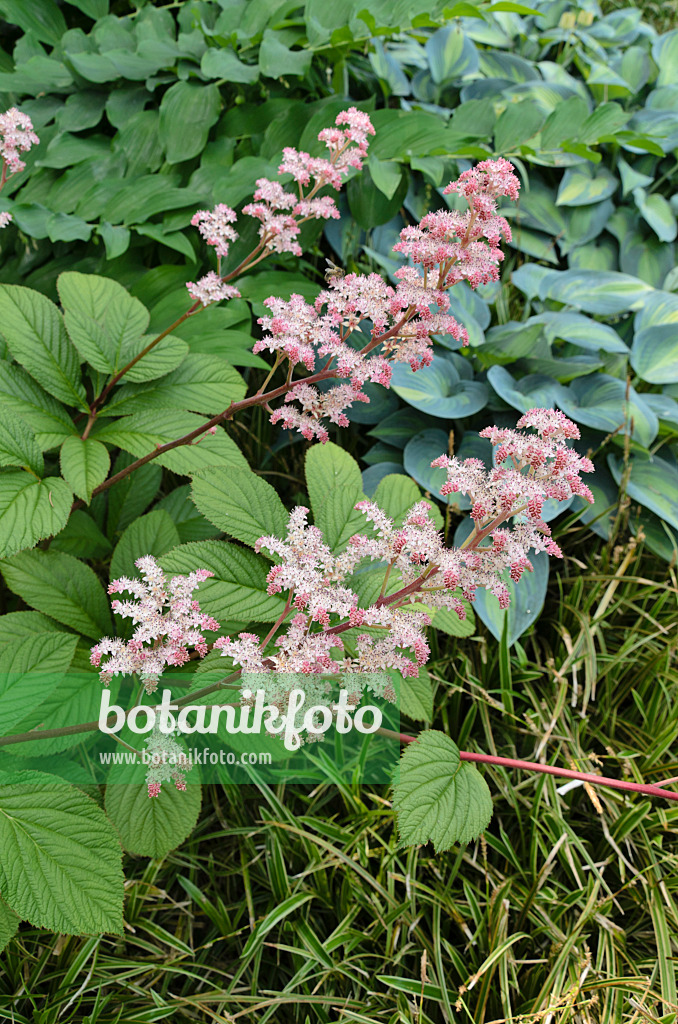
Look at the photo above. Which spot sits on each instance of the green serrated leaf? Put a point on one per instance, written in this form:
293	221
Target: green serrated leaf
152	534
140	433
20	394
18	446
9	922
151	828
60	586
61	861
35	334
103	320
240	503
29	670
31	510
438	797
238	588
328	466
84	465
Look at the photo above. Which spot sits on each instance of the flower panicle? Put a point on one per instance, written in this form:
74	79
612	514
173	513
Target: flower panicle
16	136
168	622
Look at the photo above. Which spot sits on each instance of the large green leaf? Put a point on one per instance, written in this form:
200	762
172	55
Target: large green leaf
396	494
653	482
20	394
202	383
140	433
595	292
451	54
519	122
62	587
240	503
276	59
187	112
654	355
439	389
657	212
329	466
61	860
437	796
150	827
84	464
102	319
35	334
602	402
31	509
238	588
18	445
9	922
30	669
152	534
529	392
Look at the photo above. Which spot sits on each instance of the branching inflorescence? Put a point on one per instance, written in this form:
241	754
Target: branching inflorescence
322	604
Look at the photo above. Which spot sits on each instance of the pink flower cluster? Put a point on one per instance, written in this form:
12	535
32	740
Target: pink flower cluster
211	288
465	246
215	227
531	467
448	246
166	617
282	213
16	136
168	762
315	581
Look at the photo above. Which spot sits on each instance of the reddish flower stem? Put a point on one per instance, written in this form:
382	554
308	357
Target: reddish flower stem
646	788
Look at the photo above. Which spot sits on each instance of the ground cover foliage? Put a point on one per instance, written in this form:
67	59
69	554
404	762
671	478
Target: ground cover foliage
294	905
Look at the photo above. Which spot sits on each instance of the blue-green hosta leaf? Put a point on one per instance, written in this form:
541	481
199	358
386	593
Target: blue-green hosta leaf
659	308
35	334
654	354
439	390
238	588
584	224
84	465
632	178
529	277
437	796
451	54
31	509
665	54
581	331
600	401
527	596
505	343
655	209
18	445
606	293
30	668
583	185
61	860
653	482
532	391
665	409
240	503
419	453
62	587
518	124
140	433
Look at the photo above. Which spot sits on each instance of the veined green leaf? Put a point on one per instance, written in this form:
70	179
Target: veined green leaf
84	465
31	509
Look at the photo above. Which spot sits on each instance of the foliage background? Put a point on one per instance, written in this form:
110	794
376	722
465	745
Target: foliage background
299	906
